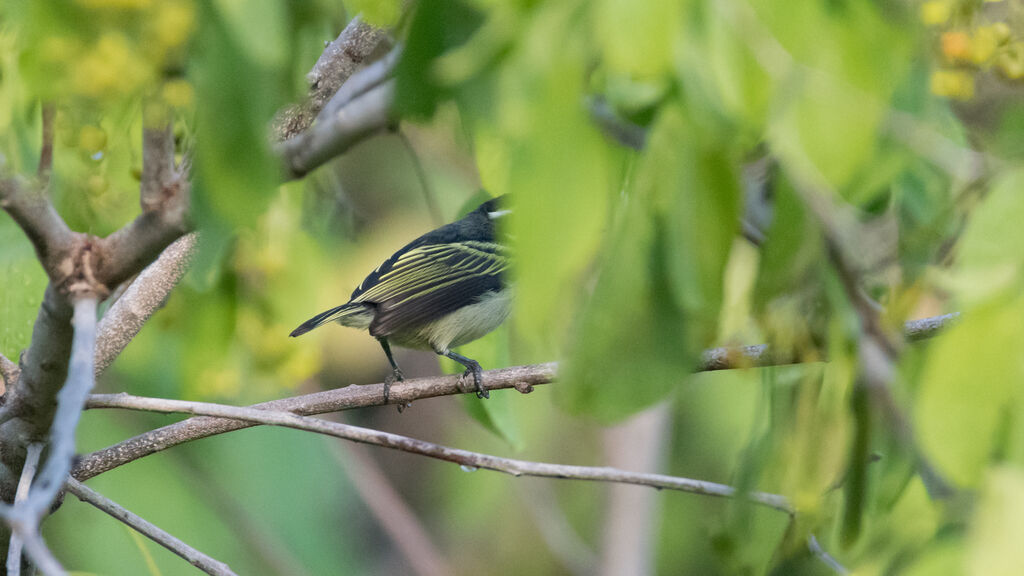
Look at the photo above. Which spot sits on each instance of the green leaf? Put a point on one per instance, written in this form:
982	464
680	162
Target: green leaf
973	373
437	26
991	254
498	413
237	174
994	543
637	38
630	348
543	148
696	186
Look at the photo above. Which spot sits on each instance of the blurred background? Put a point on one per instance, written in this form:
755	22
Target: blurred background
640	141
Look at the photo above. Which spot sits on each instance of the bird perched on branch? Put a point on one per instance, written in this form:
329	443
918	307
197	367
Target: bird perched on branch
443	289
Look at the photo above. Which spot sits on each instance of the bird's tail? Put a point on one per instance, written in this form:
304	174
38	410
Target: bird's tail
339	313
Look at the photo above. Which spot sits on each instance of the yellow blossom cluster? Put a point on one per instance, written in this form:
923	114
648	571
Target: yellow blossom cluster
972	39
112	49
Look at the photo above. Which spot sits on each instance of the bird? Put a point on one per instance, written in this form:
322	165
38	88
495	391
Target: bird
442	290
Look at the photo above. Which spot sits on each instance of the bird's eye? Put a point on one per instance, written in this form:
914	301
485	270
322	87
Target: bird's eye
498	214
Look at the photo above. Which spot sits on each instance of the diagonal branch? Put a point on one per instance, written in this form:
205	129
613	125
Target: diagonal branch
366	114
521	378
465	458
142	299
30	207
339	60
149	530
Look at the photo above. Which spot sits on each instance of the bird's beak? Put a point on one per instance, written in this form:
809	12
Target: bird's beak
498	214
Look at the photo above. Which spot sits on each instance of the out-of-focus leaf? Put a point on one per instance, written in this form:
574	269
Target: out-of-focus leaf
960	403
994	543
236	174
498	413
718	68
829	125
257	28
695	184
991	253
437	26
383	13
552	158
637	38
942	559
630	346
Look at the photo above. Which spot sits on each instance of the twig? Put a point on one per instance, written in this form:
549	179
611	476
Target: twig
144	296
32	210
70	403
164	196
421	174
149	530
821	554
336	64
46	149
361	396
474	460
393	514
28	473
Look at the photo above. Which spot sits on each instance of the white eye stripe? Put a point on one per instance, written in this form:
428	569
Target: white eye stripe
498	214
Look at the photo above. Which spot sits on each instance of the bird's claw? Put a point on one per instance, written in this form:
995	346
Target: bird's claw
478	381
390	379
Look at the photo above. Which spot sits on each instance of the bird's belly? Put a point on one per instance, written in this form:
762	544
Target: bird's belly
465	324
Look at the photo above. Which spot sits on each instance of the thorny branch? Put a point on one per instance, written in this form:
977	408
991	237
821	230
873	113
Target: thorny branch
149	530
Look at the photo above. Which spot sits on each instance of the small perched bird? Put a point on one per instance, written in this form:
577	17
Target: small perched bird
443	289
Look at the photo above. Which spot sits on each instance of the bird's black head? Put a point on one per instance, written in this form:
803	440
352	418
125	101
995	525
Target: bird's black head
495	207
479	224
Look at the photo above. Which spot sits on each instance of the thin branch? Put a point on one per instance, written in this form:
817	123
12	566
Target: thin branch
39	554
70	403
362	82
421	174
46	149
30	207
391	512
28	473
157	156
825	557
164	196
521	378
149	530
465	458
144	296
337	62
366	114
878	348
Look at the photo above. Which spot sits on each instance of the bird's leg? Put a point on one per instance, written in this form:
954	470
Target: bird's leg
396	372
472	367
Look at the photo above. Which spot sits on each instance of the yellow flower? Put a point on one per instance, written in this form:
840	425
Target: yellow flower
956	84
936	12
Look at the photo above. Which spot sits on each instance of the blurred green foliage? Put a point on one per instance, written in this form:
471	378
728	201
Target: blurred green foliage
629	263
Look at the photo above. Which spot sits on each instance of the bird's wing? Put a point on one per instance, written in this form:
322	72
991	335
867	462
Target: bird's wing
428	281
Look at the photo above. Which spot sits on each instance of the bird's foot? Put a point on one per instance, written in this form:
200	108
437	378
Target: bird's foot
477	373
396	375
